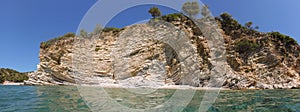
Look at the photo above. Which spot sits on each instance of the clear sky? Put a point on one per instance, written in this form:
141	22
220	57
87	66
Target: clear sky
26	23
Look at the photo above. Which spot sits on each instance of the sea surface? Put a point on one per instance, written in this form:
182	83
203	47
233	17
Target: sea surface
72	99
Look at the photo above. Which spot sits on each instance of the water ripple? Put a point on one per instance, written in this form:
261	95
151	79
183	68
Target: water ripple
65	98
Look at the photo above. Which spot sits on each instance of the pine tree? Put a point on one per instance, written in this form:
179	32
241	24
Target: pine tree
155	12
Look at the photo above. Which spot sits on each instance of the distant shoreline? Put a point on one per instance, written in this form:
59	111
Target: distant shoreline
180	87
8	83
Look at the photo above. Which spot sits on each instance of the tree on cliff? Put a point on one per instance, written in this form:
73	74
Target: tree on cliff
192	9
228	24
249	25
155	12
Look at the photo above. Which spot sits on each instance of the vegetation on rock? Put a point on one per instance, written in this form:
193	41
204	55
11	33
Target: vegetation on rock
232	26
12	75
286	39
155	12
172	17
113	29
50	42
228	23
244	46
97	49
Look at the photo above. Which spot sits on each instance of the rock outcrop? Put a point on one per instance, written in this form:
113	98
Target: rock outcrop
152	54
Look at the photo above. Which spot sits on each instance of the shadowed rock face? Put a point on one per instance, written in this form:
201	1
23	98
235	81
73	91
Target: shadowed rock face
139	56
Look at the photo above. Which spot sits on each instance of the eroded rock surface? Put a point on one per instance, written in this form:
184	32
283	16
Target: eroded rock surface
175	52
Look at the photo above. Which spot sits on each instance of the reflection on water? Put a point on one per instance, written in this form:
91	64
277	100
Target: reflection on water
60	98
128	98
65	98
134	100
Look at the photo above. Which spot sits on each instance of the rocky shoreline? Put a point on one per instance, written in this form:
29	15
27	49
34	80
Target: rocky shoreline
109	85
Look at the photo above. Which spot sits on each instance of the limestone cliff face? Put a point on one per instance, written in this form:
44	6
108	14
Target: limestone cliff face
271	65
55	62
131	58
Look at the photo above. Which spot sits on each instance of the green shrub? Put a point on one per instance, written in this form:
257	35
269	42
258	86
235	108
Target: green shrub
248	70
228	23
244	46
283	38
70	34
97	49
172	17
113	29
49	42
2	78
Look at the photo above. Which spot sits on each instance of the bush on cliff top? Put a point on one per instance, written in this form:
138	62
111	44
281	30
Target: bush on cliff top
113	29
171	17
49	42
228	23
285	39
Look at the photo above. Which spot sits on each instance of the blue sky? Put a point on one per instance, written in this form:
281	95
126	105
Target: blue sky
26	23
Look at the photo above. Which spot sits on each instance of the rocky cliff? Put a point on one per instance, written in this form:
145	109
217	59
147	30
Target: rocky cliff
152	54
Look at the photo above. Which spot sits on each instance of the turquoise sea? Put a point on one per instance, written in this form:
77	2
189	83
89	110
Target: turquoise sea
68	99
